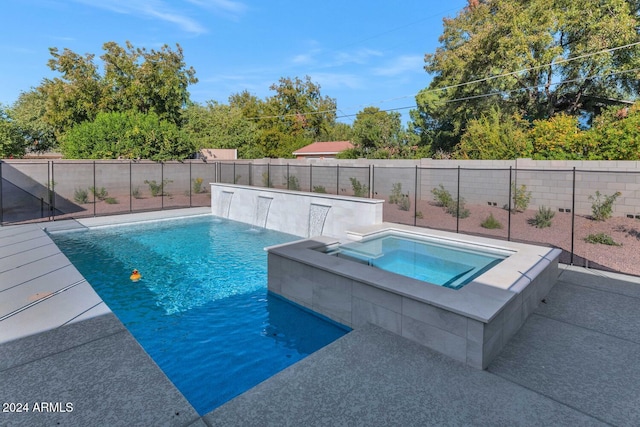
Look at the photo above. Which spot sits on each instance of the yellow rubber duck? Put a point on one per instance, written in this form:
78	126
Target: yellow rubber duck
135	275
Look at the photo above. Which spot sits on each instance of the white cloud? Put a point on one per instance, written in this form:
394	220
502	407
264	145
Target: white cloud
229	6
401	65
168	12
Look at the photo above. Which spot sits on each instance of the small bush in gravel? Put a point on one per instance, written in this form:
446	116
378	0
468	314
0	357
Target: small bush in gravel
405	203
80	195
491	222
521	197
601	238
319	189
602	206
396	193
442	196
543	217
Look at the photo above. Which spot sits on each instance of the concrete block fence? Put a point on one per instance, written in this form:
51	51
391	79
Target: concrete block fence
559	185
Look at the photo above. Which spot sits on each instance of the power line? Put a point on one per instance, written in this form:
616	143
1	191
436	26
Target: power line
474	82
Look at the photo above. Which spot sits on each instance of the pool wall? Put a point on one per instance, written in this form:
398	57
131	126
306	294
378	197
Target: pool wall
471	324
294	212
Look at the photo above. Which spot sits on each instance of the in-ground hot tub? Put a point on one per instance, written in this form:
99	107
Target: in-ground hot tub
470	320
438	261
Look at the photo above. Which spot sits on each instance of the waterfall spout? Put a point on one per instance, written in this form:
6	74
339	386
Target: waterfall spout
317	217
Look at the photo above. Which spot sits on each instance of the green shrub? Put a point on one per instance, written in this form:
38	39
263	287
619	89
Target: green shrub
292	183
136	193
111	200
405	203
602	206
543	217
80	195
359	190
100	194
419	215
458	210
442	196
266	180
157	189
319	189
601	238
521	197
396	193
197	186
491	222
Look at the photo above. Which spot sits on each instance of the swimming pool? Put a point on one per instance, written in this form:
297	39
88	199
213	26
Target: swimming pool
435	261
201	309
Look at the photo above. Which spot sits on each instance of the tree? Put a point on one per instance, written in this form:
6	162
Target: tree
12	143
537	58
29	114
220	126
495	136
134	79
127	135
296	115
378	133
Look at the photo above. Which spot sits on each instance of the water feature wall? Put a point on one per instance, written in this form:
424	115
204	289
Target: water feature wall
224	203
295	212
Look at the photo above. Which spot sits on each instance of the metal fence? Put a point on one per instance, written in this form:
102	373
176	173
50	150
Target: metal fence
548	207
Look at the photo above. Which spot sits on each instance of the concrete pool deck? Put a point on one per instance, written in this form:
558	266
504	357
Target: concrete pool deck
574	362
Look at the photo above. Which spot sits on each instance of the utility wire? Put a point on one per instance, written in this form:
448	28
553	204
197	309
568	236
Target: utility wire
474	82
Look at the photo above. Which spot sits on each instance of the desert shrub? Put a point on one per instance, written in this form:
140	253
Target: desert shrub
111	200
359	190
319	189
419	215
453	207
99	194
80	195
602	206
456	208
442	196
197	186
266	180
405	203
491	222
601	238
396	193
521	197
292	183
135	192
543	217
157	189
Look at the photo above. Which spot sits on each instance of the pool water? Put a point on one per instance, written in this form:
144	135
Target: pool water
201	309
435	262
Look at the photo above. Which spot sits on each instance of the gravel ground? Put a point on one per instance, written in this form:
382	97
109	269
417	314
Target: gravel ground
625	231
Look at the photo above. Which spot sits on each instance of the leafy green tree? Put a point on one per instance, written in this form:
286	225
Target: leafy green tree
557	138
495	136
534	57
127	135
12	142
29	115
378	133
616	138
296	115
75	97
220	126
134	79
147	80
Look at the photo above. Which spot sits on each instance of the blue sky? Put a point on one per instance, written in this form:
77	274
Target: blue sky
362	53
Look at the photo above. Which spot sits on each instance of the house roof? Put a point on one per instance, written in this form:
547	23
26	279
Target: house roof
323	148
